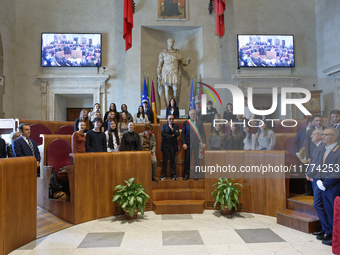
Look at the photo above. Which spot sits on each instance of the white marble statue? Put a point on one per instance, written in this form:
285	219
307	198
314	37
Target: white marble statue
169	73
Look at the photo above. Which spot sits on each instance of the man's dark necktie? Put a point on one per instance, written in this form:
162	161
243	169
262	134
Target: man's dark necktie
31	146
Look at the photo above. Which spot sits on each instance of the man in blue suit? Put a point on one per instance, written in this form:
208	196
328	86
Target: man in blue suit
170	132
329	182
193	140
24	146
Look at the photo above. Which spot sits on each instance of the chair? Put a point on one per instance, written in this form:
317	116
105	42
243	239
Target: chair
281	129
36	131
65	130
288	146
58	154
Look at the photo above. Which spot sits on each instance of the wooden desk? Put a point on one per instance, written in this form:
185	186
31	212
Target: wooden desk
266	195
18	202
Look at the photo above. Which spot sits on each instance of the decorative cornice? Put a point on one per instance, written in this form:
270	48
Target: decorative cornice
332	70
259	78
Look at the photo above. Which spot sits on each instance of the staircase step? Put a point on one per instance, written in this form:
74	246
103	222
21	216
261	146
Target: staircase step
179	206
302	204
299	221
178	194
168	183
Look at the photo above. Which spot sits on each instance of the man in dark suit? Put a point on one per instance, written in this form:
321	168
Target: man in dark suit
170	132
335	117
329	182
313	175
309	145
193	140
147	110
300	137
24	146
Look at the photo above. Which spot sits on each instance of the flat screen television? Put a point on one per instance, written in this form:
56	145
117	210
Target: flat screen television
71	50
266	51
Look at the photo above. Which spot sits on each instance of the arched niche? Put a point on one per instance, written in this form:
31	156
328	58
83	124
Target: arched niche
188	39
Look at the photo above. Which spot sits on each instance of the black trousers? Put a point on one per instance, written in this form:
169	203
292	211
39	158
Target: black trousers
166	150
193	150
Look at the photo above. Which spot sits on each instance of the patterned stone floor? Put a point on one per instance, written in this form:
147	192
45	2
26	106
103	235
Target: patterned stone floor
207	233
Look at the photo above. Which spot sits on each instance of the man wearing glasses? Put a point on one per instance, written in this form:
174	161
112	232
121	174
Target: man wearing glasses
328	181
170	132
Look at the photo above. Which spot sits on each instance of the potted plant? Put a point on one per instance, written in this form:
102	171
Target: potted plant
226	193
130	197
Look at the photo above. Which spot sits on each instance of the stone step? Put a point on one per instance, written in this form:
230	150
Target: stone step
299	221
302	204
168	183
178	194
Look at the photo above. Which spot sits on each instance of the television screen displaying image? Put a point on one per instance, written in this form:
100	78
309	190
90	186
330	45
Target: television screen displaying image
76	50
266	51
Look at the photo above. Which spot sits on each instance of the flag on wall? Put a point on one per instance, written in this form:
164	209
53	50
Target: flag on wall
192	96
219	18
153	104
128	24
145	94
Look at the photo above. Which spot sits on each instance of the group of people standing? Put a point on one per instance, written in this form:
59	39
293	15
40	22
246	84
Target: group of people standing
322	166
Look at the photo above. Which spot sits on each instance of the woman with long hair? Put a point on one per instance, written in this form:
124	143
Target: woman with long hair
110	117
112	108
172	109
228	114
79	139
265	138
83	116
216	138
249	139
234	139
217	116
140	116
95	112
123	123
113	137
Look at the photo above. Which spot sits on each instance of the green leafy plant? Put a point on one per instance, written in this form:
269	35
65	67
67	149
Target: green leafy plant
226	193
131	196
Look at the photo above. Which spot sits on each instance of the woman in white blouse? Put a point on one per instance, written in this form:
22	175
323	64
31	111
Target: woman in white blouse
112	137
140	117
249	139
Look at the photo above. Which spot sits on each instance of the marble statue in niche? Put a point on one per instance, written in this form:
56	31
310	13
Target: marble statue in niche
169	73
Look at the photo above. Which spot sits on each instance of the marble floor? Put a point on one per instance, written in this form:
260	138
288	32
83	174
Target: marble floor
207	233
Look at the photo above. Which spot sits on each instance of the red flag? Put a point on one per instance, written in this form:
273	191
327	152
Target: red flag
128	24
153	104
219	12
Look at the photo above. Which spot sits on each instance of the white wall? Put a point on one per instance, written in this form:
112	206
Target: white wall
216	58
328	53
7	30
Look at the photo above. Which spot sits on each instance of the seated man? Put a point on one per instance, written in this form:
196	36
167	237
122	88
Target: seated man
24	146
95	138
148	143
130	139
